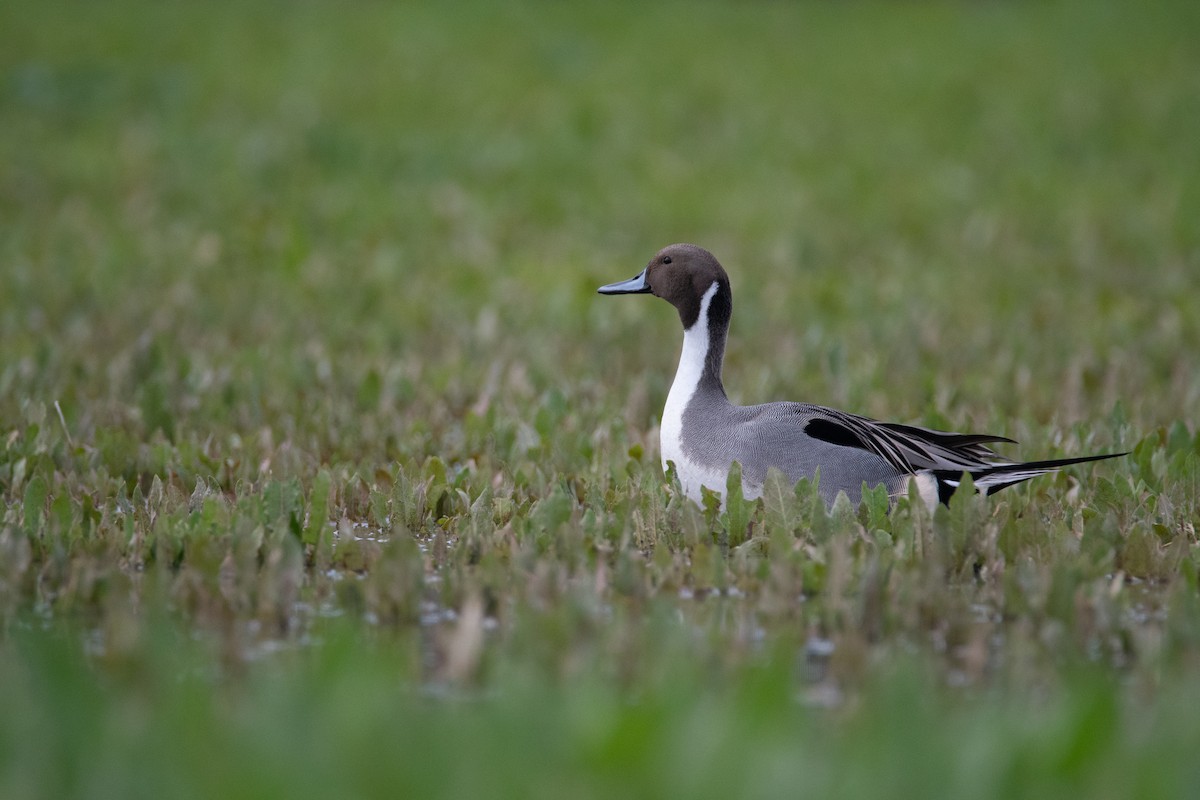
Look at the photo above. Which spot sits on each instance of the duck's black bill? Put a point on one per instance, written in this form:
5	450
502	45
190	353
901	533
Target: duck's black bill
635	285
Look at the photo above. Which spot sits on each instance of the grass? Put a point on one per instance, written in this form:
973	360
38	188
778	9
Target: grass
326	472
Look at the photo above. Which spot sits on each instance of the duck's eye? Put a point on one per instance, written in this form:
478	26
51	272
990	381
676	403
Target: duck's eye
666	259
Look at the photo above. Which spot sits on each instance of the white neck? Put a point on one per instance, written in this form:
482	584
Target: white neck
687	378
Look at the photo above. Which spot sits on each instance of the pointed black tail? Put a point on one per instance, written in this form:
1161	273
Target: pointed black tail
993	479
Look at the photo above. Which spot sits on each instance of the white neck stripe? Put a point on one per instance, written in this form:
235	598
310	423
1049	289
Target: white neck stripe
705	302
687	379
694	353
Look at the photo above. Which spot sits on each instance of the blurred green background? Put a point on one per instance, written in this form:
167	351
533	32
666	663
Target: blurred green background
325	470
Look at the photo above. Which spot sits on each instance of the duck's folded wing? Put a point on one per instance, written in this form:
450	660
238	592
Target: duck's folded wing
943	455
908	448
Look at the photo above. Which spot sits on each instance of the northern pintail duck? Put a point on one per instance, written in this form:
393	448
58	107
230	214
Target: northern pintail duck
703	433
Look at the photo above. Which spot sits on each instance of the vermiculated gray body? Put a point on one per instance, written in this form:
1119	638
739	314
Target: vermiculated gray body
717	433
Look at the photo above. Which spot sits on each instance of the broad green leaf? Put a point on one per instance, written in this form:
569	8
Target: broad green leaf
780	504
34	504
738	510
318	507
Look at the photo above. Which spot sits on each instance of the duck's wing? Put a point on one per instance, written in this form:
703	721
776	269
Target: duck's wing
942	454
908	448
